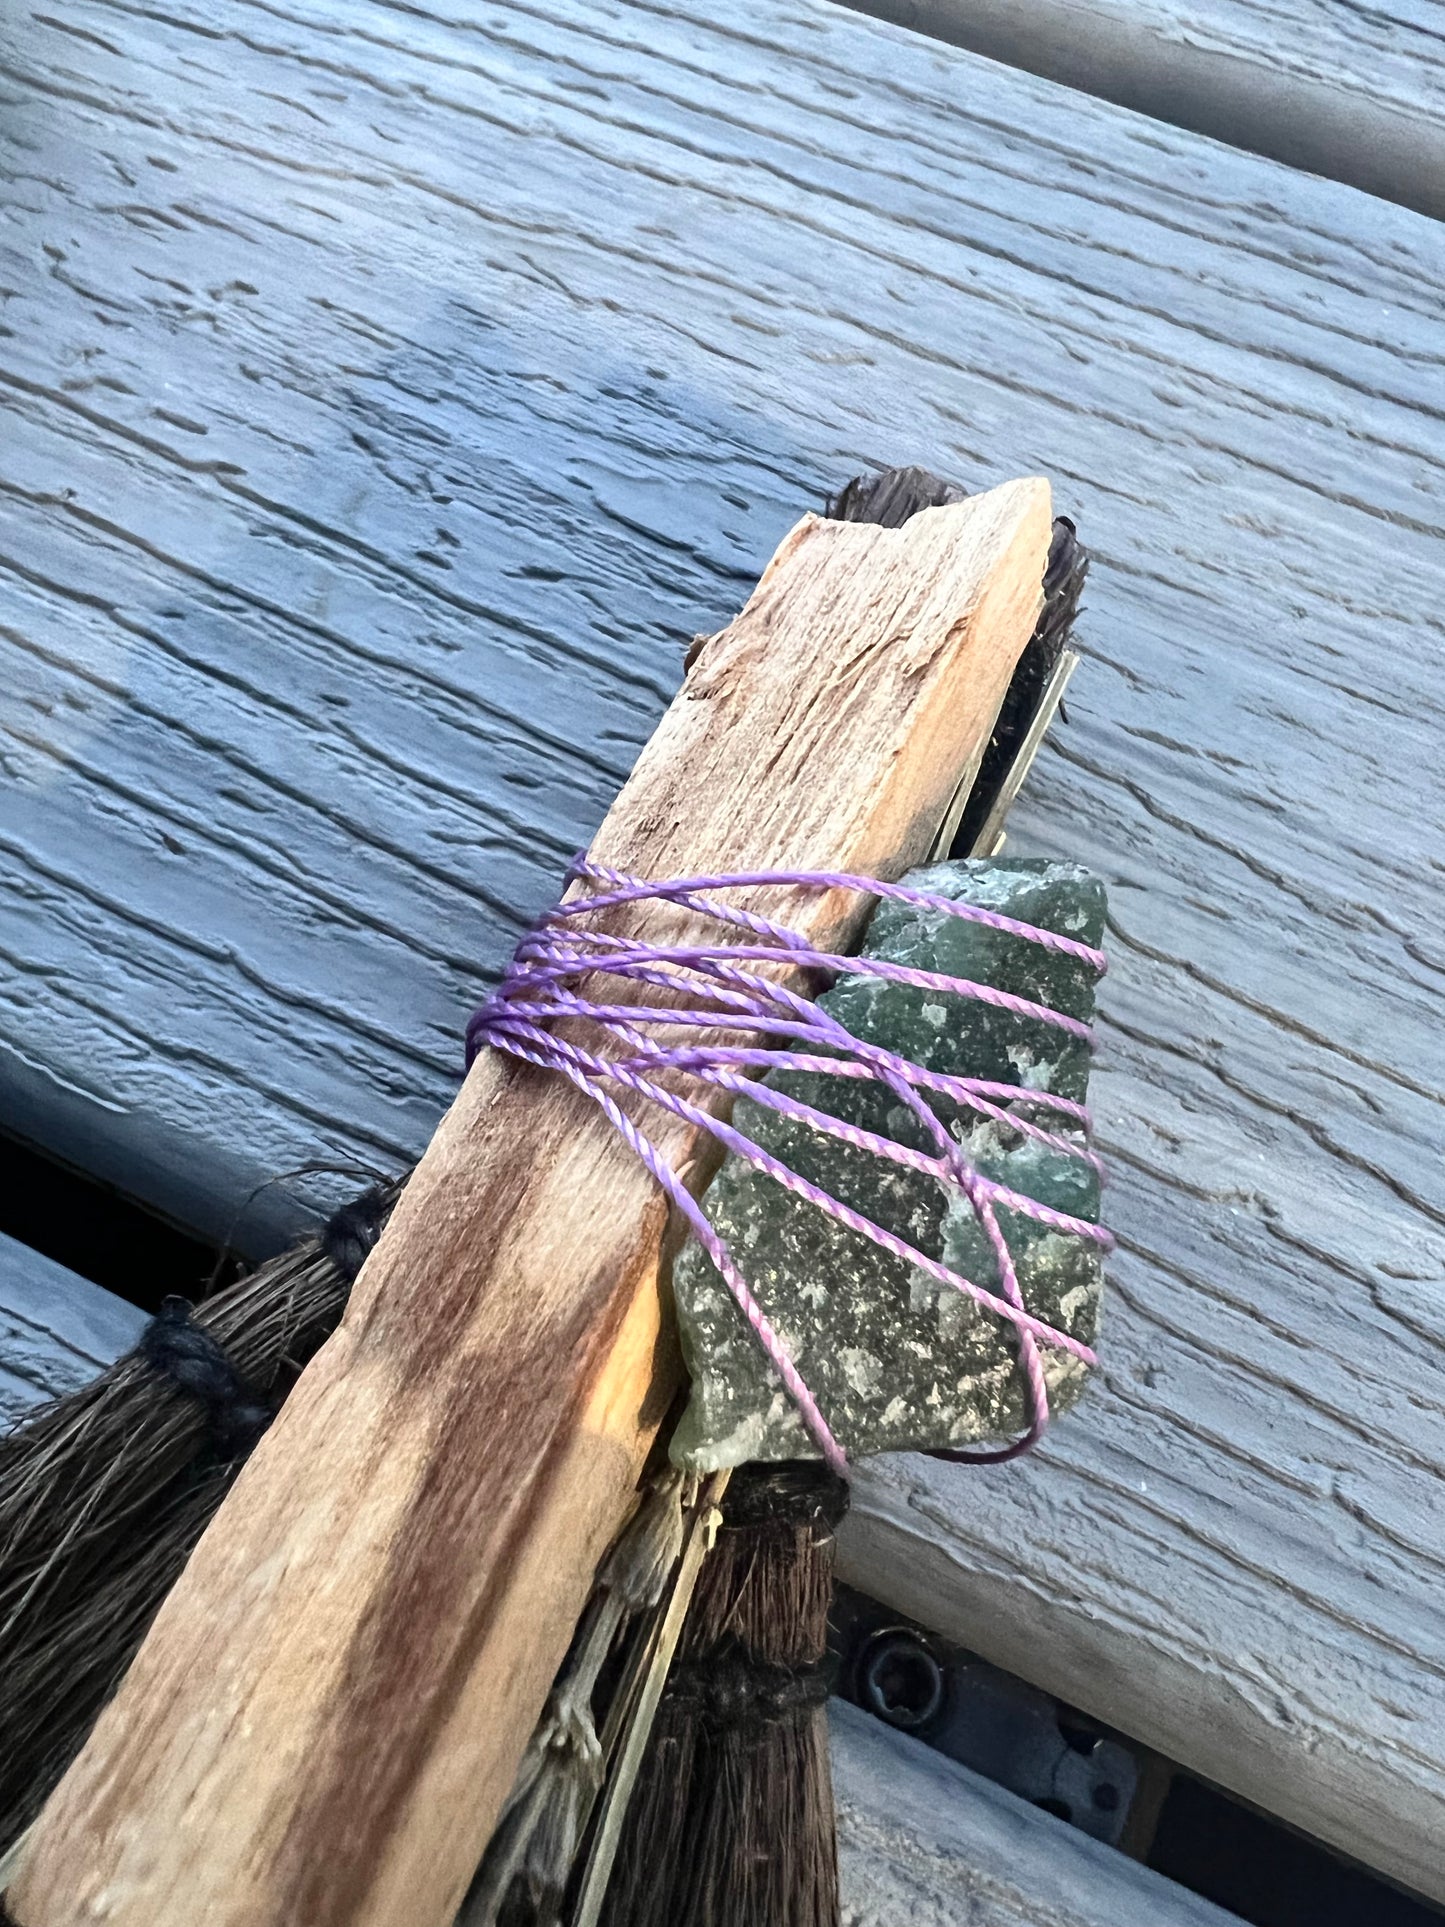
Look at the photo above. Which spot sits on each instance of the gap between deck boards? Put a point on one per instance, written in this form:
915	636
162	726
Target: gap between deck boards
1220	71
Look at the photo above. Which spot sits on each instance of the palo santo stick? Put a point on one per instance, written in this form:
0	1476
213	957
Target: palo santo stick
325	1719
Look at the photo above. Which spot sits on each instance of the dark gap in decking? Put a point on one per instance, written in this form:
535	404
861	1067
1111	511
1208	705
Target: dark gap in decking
1104	1782
1397	154
92	1229
1265	1872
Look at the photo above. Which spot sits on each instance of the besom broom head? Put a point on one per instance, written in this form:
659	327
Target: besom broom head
104	1493
731	1821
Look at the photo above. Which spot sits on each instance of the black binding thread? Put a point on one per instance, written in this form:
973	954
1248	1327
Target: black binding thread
350	1233
195	1360
731	1687
786	1493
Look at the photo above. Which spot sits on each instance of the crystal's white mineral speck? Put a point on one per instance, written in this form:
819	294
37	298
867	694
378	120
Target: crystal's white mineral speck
893	1357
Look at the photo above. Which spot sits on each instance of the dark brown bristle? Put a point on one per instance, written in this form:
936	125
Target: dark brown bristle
731	1821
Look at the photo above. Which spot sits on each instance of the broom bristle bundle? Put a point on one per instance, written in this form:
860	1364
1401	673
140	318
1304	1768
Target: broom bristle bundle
730	1824
104	1494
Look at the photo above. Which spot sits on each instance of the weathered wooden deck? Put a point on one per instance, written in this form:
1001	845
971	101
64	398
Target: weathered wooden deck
925	1843
391	391
57	1330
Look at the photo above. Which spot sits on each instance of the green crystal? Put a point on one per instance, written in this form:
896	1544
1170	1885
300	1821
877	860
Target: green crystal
894	1358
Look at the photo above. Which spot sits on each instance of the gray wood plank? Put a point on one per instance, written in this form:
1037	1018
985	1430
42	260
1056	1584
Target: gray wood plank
922	1842
57	1329
391	392
1353	92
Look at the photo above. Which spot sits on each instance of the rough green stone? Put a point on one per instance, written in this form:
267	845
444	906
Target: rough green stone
894	1358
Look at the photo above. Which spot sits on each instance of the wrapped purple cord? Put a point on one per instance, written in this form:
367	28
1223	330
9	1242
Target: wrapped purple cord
724	985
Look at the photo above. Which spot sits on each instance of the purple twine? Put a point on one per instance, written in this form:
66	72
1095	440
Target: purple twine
724	985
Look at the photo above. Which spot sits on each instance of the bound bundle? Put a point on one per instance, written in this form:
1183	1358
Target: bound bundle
867	1314
503	1366
731	1820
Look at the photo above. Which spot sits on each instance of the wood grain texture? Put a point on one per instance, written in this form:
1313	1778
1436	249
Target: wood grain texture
922	1842
389	392
332	1705
1353	92
57	1329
